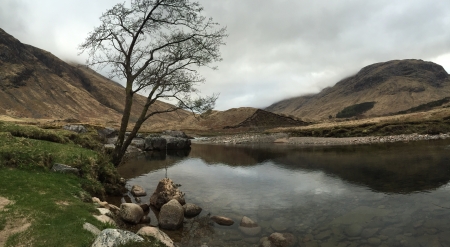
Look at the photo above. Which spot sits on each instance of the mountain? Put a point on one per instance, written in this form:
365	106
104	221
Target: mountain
36	84
376	90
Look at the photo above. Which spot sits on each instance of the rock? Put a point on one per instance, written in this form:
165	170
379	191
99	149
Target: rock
144	207
96	200
171	215
105	219
115	237
137	191
154	143
282	239
249	227
175	143
114	208
247	222
145	220
279	224
221	220
191	210
175	133
149	231
65	169
75	128
138	142
107	132
109	147
104	205
91	228
104	211
133	149
353	230
166	191
323	235
131	212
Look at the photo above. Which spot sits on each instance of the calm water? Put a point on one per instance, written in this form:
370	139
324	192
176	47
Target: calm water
371	195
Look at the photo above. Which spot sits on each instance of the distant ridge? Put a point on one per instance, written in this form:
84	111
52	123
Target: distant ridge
36	84
394	86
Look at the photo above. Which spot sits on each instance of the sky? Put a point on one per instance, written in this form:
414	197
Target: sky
276	49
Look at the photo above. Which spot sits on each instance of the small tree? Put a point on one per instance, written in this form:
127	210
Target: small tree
156	46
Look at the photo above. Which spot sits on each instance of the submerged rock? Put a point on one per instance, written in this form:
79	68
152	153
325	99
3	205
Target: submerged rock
191	210
249	227
138	191
221	220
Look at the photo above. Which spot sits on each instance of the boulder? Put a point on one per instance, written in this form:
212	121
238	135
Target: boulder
175	143
115	237
75	128
175	133
138	191
171	215
166	191
282	239
107	132
191	210
148	231
221	220
91	228
249	227
131	212
65	169
154	143
105	219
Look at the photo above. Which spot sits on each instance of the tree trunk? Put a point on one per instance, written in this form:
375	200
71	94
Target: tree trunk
120	149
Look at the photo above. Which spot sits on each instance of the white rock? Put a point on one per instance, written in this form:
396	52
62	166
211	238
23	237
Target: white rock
156	233
115	237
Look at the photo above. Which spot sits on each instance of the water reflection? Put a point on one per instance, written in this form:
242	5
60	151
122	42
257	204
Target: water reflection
325	196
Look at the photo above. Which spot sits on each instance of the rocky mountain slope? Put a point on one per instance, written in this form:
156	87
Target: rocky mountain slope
36	84
393	86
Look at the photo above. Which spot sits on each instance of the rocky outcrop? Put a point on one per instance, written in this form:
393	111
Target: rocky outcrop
75	128
175	143
65	169
191	210
166	191
148	231
131	212
171	215
115	237
155	143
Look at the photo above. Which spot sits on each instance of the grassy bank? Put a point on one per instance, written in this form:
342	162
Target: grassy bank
49	206
431	127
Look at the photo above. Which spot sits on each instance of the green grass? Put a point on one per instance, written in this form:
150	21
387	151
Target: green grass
41	198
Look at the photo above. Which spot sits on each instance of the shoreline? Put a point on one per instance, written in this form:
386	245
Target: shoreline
283	138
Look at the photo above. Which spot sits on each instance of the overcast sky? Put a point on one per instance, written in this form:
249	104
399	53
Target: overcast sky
276	49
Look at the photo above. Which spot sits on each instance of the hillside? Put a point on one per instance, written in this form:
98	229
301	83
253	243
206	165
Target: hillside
392	86
35	84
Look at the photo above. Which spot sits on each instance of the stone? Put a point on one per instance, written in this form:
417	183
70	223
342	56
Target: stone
155	143
109	147
149	231
107	132
191	210
171	215
104	205
104	211
131	212
175	133
75	128
353	230
249	227
145	220
115	237
91	228
221	220
138	191
144	207
114	208
282	239
65	169
96	200
105	219
176	143
166	191
138	142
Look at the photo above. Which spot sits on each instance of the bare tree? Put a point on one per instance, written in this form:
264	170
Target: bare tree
156	46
